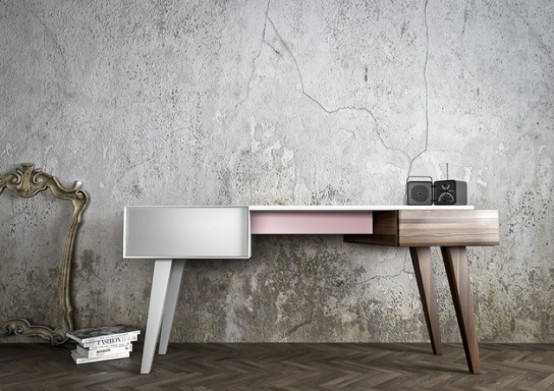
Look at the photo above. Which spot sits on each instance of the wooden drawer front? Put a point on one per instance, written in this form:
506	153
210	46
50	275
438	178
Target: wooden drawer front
186	232
423	228
448	228
311	222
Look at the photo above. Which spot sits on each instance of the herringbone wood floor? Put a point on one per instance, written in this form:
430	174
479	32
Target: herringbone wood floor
300	366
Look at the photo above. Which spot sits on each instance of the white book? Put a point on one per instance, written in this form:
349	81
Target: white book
79	359
97	334
111	341
90	347
103	351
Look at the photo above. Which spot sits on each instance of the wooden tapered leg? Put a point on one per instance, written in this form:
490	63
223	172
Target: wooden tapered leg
421	259
457	271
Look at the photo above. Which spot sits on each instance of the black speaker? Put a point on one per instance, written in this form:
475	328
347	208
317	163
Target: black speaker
450	192
419	192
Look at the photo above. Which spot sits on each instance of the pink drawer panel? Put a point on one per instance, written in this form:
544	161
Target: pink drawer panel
316	222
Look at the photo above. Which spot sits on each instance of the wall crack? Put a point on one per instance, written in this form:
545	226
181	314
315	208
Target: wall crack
317	102
426	89
253	62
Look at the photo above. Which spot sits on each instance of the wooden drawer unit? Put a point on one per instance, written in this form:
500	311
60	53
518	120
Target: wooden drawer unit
424	228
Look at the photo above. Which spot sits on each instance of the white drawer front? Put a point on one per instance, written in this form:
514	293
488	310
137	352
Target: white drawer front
186	232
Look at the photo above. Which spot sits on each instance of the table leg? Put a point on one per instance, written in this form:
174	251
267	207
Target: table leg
421	259
162	271
457	271
171	303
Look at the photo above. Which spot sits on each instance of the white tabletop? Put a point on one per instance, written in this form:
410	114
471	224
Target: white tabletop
316	208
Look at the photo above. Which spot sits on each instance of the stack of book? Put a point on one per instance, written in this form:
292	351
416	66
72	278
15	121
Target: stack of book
103	343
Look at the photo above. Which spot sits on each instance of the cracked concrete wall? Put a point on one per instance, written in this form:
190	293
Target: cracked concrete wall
284	102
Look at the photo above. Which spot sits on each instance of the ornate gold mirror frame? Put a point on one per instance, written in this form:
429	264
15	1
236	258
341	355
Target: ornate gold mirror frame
26	183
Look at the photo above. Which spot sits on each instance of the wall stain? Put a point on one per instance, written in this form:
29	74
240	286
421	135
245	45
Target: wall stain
87	262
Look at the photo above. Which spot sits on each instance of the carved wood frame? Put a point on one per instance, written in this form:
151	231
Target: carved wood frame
26	183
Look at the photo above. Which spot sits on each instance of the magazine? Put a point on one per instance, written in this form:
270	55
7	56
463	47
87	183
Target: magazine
79	359
85	336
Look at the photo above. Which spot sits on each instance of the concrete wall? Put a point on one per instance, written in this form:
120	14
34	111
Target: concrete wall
250	102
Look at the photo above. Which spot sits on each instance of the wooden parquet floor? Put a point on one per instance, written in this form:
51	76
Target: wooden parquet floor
299	366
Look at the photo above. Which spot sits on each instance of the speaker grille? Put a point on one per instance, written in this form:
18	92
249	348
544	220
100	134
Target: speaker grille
420	193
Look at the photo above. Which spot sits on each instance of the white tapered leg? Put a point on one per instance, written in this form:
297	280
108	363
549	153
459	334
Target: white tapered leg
171	303
160	281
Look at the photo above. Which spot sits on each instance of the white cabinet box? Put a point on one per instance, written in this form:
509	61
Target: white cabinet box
174	232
